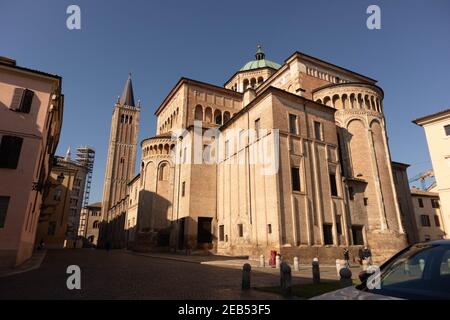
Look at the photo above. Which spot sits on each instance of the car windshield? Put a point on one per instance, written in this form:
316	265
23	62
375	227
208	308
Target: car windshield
420	272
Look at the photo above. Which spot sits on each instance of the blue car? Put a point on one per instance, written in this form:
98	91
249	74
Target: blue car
419	272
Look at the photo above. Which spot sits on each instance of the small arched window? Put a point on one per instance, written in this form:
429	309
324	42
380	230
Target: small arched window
96	224
226	116
218	117
122	119
131	119
198	113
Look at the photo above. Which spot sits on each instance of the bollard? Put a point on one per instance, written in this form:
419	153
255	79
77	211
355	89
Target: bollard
262	263
285	278
338	266
296	266
316	271
345	277
277	262
246	269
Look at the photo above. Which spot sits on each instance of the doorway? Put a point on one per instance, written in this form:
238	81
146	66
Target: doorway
204	229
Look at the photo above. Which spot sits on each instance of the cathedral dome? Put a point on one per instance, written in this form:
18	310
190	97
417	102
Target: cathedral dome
260	62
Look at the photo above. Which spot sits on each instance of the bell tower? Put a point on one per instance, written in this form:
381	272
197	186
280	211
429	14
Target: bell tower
121	159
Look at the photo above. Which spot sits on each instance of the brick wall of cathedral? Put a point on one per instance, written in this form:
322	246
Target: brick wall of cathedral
249	213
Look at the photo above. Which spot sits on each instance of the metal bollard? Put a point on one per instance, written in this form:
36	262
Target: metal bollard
277	262
246	269
296	266
316	271
262	263
285	278
345	277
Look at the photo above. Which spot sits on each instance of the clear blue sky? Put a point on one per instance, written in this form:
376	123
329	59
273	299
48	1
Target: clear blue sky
160	41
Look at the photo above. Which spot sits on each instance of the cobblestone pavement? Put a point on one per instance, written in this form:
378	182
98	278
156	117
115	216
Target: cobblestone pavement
121	275
327	272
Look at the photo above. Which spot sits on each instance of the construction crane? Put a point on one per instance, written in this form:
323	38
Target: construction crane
85	156
422	177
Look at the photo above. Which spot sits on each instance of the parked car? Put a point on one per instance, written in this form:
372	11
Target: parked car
421	271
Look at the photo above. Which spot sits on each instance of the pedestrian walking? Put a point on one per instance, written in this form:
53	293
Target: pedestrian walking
367	255
347	258
360	256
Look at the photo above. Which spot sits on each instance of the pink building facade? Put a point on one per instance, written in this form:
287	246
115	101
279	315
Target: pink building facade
31	109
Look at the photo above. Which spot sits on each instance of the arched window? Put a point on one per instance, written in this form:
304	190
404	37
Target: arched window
245	84
208	115
198	113
122	118
131	119
126	119
218	117
226	116
96	222
162	175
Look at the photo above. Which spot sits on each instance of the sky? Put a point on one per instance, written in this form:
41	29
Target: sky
161	41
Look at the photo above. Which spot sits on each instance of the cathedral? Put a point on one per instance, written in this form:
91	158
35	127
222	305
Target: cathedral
291	157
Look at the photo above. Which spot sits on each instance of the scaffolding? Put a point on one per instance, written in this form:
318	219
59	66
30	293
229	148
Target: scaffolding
85	156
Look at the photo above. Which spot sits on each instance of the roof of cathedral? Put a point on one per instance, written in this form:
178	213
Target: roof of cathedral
127	97
260	62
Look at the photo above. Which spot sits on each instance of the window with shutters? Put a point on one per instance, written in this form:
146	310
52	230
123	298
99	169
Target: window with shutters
10	147
434	203
4	202
436	221
425	220
420	201
22	100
